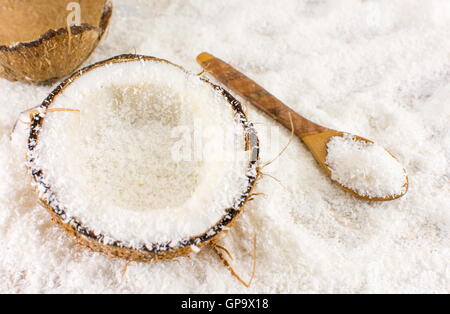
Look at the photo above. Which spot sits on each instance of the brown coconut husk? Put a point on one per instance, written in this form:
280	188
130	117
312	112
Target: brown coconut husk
38	46
149	251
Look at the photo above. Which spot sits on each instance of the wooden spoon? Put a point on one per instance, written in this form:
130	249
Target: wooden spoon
313	135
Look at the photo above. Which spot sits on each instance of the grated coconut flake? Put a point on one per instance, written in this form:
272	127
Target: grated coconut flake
366	168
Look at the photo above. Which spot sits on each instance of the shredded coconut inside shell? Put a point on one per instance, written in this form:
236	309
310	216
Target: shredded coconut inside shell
366	168
155	155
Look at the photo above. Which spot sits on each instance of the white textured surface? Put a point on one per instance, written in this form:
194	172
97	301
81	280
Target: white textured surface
379	69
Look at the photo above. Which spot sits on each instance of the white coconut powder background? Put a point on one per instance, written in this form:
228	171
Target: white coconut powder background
379	69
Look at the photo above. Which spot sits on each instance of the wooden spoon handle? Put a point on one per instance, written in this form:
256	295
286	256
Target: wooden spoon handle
257	96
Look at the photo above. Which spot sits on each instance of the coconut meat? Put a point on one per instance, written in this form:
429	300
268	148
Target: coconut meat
366	168
153	155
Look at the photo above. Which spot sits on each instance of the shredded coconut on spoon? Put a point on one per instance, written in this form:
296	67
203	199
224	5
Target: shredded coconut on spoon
364	167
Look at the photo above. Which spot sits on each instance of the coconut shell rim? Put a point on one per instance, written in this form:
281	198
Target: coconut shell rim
153	251
49	35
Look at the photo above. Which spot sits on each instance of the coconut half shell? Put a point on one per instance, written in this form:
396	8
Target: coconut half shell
147	251
38	46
